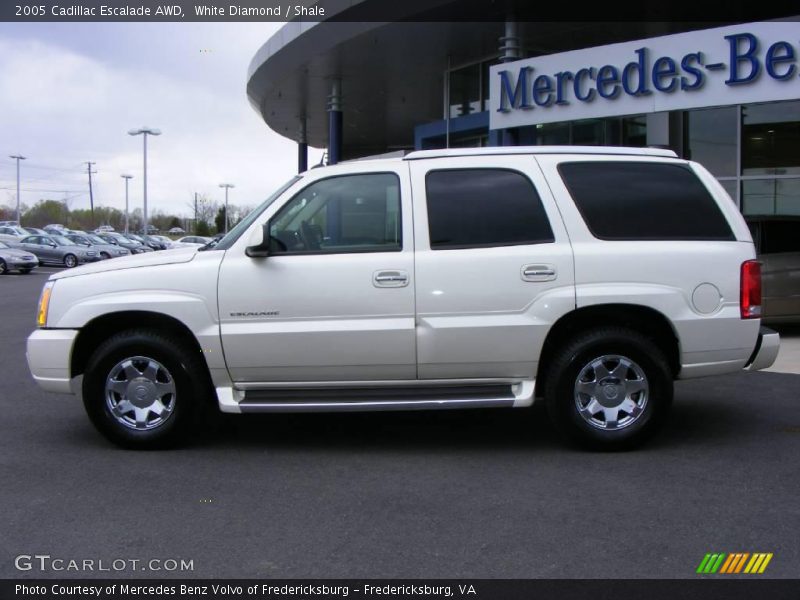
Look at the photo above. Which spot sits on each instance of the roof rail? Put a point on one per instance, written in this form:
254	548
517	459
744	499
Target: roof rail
495	150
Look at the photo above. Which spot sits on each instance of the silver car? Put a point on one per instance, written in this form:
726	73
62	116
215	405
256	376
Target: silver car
95	242
12	259
56	249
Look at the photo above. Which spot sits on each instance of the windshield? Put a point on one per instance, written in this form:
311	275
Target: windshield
237	231
96	239
60	240
79	239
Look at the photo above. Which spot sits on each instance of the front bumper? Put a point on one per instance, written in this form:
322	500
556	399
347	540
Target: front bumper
23	264
766	350
49	353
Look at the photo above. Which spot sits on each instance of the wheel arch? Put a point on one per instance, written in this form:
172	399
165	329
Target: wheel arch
100	328
643	319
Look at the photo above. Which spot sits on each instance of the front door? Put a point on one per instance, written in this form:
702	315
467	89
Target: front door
334	300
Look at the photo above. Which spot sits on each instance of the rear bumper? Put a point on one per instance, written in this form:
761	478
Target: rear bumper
766	350
49	352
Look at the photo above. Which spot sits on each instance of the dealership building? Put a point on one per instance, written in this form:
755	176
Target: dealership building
726	96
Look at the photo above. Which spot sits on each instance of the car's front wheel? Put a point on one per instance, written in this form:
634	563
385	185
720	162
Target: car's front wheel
609	388
70	261
142	389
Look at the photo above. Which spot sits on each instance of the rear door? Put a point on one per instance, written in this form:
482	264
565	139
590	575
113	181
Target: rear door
493	266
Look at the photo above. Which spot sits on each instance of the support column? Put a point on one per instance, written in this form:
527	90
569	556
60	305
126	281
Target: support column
335	123
302	149
510	50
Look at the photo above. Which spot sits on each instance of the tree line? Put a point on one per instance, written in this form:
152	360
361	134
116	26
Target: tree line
209	221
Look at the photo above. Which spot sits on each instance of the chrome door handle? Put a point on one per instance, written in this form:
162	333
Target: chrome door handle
390	279
538	272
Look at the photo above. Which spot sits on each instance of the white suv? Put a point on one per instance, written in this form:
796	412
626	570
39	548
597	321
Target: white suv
589	277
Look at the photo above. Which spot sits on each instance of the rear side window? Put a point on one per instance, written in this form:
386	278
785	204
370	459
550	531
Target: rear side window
475	208
644	201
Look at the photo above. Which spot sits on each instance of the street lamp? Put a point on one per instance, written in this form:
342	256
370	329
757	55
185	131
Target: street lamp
144	132
127	179
227	186
18	157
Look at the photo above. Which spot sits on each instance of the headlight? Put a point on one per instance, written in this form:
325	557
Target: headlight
44	304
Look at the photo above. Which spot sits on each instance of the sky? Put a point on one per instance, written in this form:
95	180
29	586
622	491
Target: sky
69	93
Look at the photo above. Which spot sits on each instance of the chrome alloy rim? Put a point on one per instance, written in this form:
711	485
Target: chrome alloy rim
611	392
140	393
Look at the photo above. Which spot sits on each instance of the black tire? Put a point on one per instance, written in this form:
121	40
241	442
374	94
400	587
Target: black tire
26	271
105	255
70	261
3	267
185	367
599	347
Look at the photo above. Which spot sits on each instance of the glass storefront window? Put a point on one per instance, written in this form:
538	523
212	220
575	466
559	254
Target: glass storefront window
465	91
712	139
552	134
634	131
775	196
771	138
590	132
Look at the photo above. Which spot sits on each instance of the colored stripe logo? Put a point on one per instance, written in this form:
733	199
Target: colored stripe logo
735	563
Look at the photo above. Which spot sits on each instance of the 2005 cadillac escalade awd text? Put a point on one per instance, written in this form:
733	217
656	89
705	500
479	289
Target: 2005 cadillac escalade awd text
588	277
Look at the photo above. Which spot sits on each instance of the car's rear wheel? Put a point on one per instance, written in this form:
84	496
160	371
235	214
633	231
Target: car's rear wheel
143	389
609	388
105	255
70	261
3	267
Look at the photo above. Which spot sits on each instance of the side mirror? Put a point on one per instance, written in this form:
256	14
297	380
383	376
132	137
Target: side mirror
260	250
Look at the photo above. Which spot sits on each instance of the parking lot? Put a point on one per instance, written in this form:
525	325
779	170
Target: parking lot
443	494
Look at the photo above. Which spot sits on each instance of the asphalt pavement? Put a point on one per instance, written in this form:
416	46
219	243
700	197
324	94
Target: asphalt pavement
489	493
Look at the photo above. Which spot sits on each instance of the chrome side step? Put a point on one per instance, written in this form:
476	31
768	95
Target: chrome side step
367	396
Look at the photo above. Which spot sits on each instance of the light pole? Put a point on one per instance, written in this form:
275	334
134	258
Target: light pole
144	132
17	157
227	186
127	179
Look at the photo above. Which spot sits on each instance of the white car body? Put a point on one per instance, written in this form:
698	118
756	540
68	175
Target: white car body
445	317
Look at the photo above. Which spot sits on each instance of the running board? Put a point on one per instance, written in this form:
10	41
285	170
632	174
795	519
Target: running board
366	397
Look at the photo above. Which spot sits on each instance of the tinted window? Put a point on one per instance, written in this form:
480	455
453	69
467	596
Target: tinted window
470	208
781	236
644	201
349	213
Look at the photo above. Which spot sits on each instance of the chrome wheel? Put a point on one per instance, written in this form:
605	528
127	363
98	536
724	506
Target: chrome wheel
140	393
611	392
70	261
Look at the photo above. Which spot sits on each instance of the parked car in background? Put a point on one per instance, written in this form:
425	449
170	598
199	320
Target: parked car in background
176	230
14	259
58	250
149	242
168	243
35	231
12	233
191	240
104	228
55	229
105	250
120	240
777	240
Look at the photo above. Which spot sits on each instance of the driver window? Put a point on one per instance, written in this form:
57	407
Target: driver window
348	213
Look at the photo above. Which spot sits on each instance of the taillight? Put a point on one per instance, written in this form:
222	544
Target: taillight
750	290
